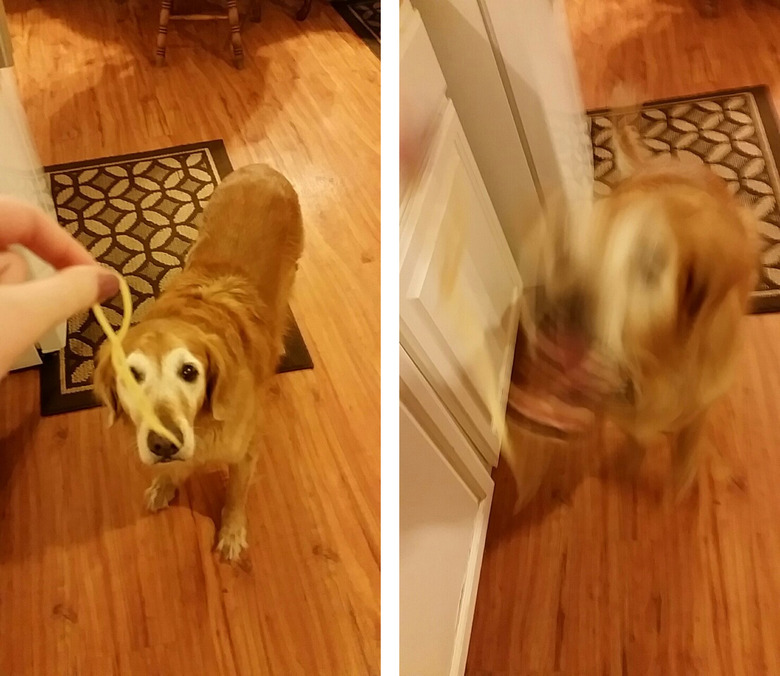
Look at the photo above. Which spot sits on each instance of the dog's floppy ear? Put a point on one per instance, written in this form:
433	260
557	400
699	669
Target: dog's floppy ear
104	381
217	387
702	288
708	277
693	293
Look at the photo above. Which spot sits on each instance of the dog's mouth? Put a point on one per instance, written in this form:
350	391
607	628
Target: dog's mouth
564	349
164	461
562	381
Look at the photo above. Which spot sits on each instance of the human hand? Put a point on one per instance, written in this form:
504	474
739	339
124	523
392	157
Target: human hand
28	309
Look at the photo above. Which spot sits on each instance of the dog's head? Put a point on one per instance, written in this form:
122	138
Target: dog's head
647	271
182	372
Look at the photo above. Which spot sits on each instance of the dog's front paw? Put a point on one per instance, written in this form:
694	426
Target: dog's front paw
159	494
232	541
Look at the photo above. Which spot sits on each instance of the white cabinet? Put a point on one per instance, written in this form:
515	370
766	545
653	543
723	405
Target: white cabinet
444	507
459	302
460	289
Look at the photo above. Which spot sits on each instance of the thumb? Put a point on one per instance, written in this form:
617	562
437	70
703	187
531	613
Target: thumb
30	309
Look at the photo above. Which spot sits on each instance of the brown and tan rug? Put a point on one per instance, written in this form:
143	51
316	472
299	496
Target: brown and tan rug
139	214
736	133
365	18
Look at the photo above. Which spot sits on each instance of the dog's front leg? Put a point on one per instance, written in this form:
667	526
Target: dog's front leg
686	456
160	492
232	533
632	457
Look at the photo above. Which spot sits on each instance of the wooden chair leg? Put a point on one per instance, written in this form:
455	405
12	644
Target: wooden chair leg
162	31
122	9
254	11
710	8
235	33
303	12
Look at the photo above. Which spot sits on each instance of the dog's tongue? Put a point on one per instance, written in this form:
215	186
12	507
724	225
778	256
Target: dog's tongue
567	350
558	387
548	412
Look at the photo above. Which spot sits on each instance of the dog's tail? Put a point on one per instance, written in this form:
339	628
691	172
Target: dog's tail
627	147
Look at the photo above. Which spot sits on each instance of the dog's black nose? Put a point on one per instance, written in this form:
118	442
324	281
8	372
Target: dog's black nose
574	309
160	446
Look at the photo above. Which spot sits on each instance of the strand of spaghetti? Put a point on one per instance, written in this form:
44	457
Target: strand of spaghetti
119	360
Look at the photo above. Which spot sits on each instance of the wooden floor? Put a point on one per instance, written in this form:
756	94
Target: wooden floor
598	575
89	583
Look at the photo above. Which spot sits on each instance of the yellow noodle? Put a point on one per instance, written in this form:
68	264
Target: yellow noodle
119	360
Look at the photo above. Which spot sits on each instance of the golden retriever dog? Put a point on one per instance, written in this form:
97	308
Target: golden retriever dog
206	350
647	292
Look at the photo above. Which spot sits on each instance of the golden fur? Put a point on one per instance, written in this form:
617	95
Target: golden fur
663	268
224	317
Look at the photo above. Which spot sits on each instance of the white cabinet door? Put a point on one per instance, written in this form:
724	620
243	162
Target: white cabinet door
445	501
460	289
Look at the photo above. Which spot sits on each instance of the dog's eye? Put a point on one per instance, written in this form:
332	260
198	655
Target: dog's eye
139	377
188	373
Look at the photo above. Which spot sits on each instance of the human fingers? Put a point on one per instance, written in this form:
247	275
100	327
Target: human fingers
13	268
30	309
25	224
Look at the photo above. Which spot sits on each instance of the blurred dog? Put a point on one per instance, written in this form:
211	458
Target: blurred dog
205	352
652	286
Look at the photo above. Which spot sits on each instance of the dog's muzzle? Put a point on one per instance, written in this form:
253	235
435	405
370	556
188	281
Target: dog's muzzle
163	448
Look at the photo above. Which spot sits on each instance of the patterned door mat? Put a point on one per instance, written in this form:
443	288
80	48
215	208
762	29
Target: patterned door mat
364	17
139	214
735	132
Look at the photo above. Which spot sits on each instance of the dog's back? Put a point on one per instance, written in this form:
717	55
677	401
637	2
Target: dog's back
252	226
